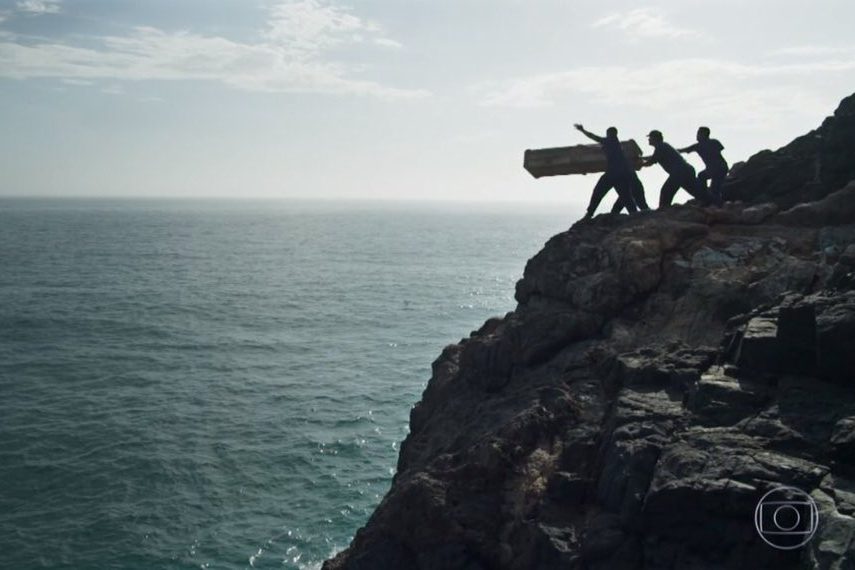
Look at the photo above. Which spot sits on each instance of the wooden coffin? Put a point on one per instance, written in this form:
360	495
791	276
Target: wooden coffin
579	159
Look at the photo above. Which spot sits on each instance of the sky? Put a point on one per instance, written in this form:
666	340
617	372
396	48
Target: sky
394	99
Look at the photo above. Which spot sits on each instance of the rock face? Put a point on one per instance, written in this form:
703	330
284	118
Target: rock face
808	168
661	372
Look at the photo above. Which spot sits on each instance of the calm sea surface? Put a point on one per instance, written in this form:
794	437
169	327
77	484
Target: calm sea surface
225	385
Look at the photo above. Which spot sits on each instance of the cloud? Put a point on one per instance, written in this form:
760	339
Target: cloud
388	42
735	91
77	82
291	55
39	7
812	51
308	27
644	23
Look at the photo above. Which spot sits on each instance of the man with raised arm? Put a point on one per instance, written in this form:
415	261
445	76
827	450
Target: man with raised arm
716	166
617	174
681	174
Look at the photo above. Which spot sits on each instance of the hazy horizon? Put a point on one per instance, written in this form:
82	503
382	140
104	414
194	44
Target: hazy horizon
375	100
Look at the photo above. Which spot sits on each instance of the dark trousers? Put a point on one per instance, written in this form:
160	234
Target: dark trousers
607	181
637	195
716	177
687	181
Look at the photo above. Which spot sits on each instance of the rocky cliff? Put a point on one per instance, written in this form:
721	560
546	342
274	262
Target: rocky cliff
661	372
805	170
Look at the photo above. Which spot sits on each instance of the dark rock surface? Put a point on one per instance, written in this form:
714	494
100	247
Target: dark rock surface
660	373
808	168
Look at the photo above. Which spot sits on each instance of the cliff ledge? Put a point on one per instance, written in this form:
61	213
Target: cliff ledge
661	372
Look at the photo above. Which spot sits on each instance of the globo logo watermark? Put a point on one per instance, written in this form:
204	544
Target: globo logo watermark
786	518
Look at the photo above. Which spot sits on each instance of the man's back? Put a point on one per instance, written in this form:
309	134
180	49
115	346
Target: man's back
710	152
670	159
615	158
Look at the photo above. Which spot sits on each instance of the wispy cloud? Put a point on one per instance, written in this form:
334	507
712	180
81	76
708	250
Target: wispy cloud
77	82
644	23
306	27
290	56
812	51
38	7
740	92
388	42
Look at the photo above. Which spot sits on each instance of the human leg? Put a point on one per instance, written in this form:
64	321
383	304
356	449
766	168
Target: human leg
638	192
696	188
624	190
716	181
669	188
713	189
603	185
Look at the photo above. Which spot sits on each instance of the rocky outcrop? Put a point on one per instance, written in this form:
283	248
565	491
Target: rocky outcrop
808	168
661	372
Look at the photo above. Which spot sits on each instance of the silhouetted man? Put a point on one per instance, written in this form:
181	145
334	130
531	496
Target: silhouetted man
617	174
637	194
716	166
681	174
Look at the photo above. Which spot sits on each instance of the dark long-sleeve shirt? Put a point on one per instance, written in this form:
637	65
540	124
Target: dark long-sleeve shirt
710	152
615	158
669	159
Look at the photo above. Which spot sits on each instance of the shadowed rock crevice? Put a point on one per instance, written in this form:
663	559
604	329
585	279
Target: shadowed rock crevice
660	373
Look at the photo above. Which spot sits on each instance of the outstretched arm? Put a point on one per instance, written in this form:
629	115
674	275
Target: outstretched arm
690	148
589	134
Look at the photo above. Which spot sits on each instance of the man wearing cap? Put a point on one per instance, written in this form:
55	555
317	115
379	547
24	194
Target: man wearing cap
716	166
617	173
681	174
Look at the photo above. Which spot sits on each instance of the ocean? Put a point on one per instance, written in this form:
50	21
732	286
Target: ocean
225	384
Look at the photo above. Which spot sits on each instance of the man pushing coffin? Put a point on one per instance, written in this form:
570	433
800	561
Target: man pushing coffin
617	160
619	175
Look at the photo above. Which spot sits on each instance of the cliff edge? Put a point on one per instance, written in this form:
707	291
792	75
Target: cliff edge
661	372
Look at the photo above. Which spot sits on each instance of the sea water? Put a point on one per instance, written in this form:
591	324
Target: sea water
226	384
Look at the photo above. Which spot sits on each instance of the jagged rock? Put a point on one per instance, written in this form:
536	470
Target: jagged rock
661	372
835	340
570	488
759	348
835	210
719	400
796	334
806	170
833	547
758	214
673	365
843	439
